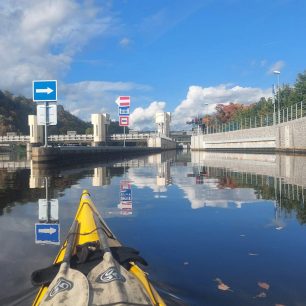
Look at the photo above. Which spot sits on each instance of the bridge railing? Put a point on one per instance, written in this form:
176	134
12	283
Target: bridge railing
292	112
81	137
22	138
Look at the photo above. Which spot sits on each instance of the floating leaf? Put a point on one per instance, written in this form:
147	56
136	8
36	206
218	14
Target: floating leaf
261	295
263	285
222	286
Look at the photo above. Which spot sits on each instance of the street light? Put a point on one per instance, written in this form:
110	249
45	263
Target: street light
205	113
276	72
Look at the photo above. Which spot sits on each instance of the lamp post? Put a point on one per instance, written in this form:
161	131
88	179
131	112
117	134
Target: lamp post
276	72
206	113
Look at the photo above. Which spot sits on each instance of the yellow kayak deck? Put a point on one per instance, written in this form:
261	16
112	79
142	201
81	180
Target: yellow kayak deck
87	233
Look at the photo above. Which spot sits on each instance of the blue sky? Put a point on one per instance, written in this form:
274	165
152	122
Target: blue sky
167	55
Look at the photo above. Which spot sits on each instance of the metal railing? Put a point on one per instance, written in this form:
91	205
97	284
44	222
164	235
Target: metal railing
14	138
290	113
81	137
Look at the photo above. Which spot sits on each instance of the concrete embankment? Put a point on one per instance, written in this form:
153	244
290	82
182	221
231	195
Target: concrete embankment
286	137
67	154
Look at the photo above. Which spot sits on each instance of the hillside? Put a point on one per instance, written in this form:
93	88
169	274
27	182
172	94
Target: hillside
14	111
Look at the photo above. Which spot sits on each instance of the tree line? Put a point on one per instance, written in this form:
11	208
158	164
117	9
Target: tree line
238	112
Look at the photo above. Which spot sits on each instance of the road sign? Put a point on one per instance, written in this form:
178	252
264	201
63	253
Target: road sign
51	114
124	121
124	101
46	233
124	110
45	90
126	195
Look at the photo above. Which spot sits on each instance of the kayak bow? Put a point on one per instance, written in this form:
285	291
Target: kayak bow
111	268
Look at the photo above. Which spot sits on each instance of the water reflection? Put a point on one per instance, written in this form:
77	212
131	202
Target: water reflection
278	178
194	216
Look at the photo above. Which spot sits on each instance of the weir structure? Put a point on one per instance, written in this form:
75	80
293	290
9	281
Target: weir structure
99	143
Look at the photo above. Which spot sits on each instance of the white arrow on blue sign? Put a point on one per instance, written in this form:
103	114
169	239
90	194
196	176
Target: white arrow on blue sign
45	90
46	233
123	110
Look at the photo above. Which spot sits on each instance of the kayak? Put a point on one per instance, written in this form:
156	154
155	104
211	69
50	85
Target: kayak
93	268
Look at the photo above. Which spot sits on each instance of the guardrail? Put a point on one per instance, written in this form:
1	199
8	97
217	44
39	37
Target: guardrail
84	137
81	137
290	113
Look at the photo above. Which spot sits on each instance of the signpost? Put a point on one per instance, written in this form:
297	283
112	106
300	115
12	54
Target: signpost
124	103
51	112
45	91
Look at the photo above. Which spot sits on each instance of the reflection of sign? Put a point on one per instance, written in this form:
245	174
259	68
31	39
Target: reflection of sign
47	233
51	114
45	90
123	121
126	195
123	110
47	210
125	185
126	208
125	204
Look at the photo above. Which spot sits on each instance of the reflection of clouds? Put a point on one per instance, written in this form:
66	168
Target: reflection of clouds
145	178
208	194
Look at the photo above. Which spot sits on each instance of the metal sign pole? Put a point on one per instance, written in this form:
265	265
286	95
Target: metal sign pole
46	124
124	136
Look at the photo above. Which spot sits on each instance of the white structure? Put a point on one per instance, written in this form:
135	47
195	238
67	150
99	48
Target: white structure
162	121
100	177
99	122
36	131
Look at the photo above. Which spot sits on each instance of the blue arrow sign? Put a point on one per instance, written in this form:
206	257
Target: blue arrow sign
123	110
47	233
45	90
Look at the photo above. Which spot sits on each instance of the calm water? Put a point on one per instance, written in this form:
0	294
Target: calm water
201	220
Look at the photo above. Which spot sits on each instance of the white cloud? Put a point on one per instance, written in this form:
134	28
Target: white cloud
38	39
144	118
124	42
87	97
276	66
197	98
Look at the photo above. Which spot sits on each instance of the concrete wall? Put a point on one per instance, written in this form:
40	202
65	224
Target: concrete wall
163	143
288	136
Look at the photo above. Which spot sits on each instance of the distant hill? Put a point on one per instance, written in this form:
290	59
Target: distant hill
14	111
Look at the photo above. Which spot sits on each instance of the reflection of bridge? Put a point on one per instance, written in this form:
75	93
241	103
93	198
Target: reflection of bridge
14	165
